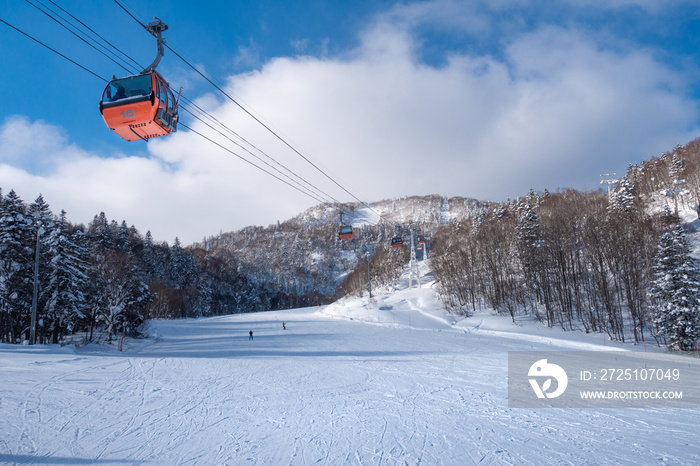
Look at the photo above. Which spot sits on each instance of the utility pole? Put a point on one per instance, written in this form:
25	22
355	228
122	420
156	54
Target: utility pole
368	256
35	295
369	276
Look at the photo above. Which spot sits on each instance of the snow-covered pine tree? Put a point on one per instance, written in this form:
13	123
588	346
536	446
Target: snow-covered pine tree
120	293
183	270
622	197
42	223
99	232
675	291
66	305
677	165
478	218
533	198
500	212
16	269
123	237
676	169
40	211
529	232
530	250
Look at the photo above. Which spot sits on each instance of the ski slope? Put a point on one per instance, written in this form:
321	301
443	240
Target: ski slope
392	380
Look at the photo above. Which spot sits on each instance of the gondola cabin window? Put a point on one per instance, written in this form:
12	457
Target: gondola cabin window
131	89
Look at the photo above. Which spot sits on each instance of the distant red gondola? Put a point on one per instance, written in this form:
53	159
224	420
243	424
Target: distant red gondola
345	232
397	242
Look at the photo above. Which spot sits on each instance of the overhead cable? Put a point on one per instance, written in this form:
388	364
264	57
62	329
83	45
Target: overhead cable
284	141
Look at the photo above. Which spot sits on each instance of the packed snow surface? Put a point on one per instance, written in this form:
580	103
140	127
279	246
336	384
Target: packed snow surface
365	216
391	380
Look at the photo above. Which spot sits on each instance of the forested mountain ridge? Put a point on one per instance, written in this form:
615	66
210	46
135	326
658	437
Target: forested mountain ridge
579	260
303	259
106	278
616	262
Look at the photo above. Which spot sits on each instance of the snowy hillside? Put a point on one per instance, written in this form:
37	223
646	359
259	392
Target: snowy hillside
302	258
392	380
427	211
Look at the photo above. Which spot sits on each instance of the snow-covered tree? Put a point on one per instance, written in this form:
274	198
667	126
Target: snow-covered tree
120	293
66	302
16	268
677	165
677	188
500	212
622	197
123	237
478	218
530	249
100	232
675	291
529	231
533	198
42	223
183	270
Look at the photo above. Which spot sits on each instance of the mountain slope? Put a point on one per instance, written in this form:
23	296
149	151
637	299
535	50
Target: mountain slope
342	385
303	255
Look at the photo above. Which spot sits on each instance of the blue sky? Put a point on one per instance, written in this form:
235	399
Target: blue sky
480	99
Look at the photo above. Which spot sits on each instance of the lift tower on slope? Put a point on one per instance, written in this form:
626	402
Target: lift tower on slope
414	274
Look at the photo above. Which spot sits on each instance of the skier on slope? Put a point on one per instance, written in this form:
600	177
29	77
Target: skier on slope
251	335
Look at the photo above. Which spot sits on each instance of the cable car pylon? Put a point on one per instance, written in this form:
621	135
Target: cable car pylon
414	273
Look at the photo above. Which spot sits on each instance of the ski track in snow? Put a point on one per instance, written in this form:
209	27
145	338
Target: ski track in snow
390	381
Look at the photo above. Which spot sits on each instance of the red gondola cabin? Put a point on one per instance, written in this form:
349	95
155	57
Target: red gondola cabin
140	107
345	232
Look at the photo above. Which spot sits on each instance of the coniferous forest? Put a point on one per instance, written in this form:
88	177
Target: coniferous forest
616	261
102	280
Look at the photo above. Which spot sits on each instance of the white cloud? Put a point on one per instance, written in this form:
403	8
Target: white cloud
444	14
652	6
556	111
22	146
172	193
247	55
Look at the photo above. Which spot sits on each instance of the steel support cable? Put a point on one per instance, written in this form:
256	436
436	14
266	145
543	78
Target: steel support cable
301	187
253	116
248	161
77	35
319	191
98	35
229	97
268	128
